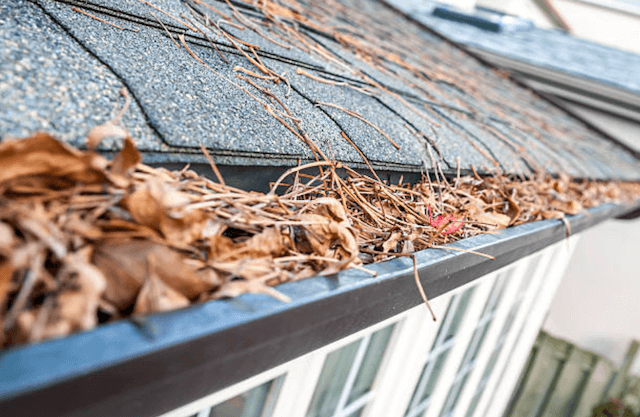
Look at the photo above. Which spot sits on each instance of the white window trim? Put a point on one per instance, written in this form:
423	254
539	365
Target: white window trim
467	327
492	318
515	278
524	278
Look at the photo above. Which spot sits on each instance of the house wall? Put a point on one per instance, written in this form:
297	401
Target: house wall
500	315
605	25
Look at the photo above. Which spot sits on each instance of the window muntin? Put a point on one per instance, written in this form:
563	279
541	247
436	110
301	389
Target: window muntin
436	360
479	334
344	385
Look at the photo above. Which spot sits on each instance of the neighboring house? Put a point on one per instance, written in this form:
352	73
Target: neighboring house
346	345
599	84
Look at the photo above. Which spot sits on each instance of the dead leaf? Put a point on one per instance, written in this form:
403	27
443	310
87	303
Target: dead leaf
164	208
500	221
7	238
124	262
126	159
103	131
42	155
391	244
156	296
79	307
6	276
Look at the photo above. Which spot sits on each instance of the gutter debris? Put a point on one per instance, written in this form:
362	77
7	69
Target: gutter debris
84	240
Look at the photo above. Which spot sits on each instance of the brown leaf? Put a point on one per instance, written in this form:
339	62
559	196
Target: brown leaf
572	207
7	238
391	244
6	275
163	207
498	220
103	131
43	155
269	243
126	159
156	296
326	238
247	268
125	263
79	307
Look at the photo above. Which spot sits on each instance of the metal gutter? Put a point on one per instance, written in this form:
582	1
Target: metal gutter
151	366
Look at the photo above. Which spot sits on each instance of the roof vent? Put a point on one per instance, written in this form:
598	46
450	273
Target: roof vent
485	19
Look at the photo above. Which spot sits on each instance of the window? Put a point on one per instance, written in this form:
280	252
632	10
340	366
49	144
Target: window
257	402
344	385
436	360
473	349
506	328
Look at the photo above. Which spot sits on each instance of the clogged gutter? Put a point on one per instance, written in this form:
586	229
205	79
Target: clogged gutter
84	240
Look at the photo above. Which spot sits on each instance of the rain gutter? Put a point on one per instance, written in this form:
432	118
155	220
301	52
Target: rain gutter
149	366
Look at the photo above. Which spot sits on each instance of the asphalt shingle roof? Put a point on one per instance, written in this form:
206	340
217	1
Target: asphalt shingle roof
60	70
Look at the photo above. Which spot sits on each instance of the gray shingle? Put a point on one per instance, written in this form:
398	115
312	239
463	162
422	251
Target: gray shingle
428	94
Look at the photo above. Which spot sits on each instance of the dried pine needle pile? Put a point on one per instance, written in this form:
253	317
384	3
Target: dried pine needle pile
85	240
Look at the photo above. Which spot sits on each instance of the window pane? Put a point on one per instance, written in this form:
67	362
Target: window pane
459	315
253	403
332	379
357	413
433	377
370	363
453	396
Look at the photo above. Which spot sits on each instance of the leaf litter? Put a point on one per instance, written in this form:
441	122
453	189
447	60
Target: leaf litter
85	240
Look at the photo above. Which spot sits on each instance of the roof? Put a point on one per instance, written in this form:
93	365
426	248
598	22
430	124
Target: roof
547	48
64	68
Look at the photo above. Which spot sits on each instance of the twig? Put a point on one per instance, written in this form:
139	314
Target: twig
169	15
165	29
213	165
97	18
362	119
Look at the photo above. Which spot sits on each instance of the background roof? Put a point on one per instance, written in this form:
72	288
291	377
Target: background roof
60	70
553	49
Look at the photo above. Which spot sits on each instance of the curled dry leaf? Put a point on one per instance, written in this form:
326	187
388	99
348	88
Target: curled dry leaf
327	232
78	307
164	208
156	296
492	220
103	131
125	263
7	239
126	159
42	155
